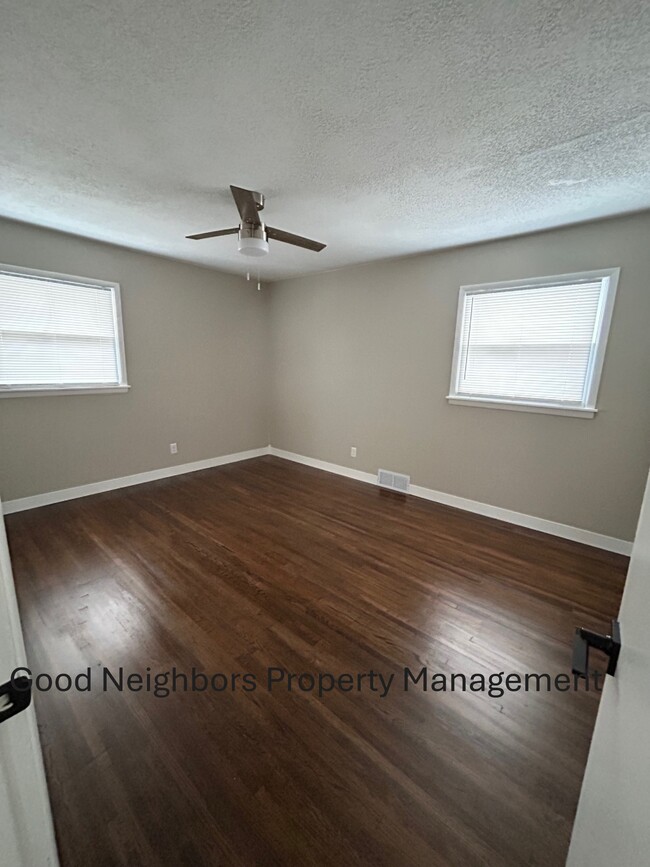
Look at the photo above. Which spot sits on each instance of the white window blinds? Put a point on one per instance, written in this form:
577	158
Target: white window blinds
537	342
58	333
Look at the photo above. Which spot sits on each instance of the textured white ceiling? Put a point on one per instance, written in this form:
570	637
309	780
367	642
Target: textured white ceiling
381	127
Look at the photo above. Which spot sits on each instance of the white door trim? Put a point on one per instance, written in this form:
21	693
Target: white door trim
22	775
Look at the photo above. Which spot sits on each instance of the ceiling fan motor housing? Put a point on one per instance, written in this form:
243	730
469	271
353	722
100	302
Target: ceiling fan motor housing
252	240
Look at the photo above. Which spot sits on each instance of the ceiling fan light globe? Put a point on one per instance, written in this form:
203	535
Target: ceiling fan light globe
253	246
252	240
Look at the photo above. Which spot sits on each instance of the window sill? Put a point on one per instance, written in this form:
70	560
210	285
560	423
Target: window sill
522	406
49	392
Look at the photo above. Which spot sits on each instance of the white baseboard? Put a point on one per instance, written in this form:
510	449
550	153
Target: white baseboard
126	481
575	534
359	475
565	531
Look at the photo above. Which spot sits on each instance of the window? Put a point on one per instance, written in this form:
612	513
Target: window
59	334
535	345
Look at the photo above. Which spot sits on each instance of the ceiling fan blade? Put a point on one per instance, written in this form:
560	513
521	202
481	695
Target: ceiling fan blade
216	234
296	240
246	204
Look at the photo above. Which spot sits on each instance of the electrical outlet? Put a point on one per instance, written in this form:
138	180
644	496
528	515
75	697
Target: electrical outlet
173	448
353	451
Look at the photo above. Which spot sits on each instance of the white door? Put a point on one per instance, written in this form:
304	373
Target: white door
613	821
26	832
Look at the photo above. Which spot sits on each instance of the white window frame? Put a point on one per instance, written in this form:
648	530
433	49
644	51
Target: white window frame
22	390
587	409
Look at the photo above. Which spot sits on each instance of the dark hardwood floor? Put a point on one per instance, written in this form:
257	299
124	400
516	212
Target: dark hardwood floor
270	564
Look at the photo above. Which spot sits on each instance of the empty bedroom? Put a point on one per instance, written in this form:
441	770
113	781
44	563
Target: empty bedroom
324	434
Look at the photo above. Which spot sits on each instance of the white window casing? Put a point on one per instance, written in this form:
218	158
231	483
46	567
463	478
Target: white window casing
59	334
534	345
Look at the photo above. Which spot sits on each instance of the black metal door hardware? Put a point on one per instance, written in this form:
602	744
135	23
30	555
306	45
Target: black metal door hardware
609	644
15	696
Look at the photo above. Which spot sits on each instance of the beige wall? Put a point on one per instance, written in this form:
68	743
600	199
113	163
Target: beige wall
196	362
362	356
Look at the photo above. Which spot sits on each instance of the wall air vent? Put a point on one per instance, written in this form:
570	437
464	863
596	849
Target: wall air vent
393	481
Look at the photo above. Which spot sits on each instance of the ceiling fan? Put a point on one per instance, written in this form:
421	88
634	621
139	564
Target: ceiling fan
253	233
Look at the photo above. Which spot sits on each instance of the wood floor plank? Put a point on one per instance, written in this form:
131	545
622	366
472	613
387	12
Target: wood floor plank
270	564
